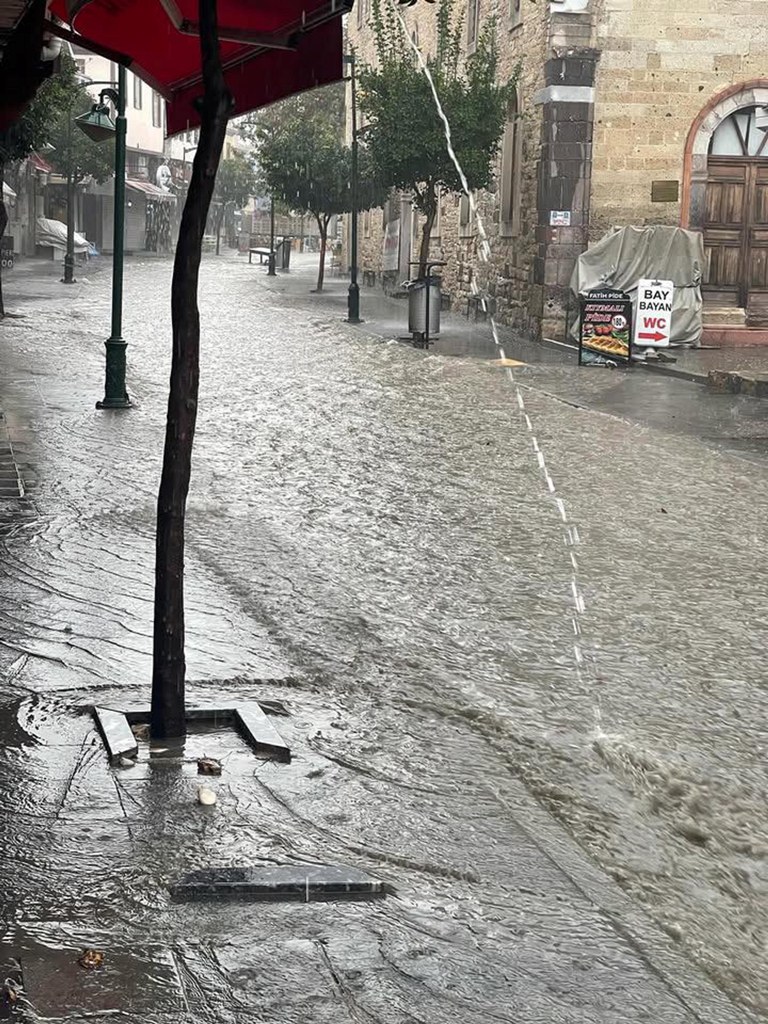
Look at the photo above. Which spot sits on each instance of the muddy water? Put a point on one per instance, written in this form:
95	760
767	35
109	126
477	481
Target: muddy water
368	519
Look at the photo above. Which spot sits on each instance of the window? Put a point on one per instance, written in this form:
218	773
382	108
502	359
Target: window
137	93
473	17
511	170
515	13
466	220
738	135
137	164
157	109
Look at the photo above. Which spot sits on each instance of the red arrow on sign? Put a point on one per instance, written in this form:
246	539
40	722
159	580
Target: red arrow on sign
656	336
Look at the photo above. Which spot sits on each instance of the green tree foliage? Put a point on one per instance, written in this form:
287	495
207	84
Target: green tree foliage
404	132
235	184
305	163
72	149
45	121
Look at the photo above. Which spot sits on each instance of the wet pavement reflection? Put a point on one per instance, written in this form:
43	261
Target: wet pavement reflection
369	541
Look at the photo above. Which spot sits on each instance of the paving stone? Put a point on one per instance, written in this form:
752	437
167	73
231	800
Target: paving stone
116	733
259	732
137	982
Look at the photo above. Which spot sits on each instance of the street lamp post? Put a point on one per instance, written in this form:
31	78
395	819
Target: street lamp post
69	255
99	126
272	259
353	296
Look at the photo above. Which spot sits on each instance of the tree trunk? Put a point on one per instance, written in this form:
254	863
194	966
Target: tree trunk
218	235
168	665
322	223
3	225
426	234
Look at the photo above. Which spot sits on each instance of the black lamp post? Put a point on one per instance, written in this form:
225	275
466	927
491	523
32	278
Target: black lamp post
99	126
353	296
69	255
271	272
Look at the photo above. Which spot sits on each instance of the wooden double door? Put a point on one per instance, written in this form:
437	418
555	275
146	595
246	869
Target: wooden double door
736	235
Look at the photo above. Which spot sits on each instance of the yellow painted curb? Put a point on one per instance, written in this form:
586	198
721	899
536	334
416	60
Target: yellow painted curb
507	362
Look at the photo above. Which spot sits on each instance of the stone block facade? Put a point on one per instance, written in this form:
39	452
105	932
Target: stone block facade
618	101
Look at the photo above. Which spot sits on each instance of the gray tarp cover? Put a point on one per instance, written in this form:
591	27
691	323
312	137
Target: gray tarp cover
623	257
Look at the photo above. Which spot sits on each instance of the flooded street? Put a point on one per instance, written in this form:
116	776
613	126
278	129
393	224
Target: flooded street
371	541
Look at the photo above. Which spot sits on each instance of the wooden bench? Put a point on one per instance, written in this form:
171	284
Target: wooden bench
263	254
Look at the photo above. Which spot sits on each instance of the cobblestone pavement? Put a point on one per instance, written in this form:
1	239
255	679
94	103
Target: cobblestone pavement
372	542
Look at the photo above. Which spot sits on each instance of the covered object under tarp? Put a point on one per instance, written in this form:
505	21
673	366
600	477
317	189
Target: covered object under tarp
620	259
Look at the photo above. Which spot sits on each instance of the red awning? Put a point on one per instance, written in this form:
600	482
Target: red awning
270	48
39	163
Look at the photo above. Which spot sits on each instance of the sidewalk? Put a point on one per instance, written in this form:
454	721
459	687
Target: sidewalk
496	913
387	317
733	370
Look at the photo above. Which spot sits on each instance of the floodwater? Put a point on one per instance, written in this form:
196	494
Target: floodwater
368	532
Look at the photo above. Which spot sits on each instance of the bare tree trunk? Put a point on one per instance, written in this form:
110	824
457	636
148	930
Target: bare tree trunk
3	225
426	234
322	223
168	666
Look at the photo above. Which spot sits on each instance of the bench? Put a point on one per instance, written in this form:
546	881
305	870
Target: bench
263	254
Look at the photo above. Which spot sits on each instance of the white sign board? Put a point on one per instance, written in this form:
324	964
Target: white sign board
653	320
391	247
559	218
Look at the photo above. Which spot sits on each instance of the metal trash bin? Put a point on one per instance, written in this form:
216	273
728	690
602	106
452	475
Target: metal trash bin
423	301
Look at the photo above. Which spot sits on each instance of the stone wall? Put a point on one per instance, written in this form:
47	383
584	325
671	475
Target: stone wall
661	63
609	91
508	278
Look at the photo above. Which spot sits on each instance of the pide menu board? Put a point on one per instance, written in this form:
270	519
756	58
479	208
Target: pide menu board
605	327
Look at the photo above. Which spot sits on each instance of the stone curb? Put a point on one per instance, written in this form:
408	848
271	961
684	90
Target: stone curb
738	382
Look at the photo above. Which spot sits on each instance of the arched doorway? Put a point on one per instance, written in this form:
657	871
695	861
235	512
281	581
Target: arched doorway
727	199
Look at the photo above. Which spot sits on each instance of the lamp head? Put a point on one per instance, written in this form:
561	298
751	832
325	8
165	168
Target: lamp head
97	123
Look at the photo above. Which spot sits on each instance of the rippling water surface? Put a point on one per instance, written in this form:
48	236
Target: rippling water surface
368	521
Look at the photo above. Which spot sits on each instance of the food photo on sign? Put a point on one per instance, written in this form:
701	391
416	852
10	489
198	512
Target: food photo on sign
605	327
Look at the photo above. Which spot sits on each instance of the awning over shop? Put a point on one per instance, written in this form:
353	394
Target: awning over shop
269	49
150	191
40	164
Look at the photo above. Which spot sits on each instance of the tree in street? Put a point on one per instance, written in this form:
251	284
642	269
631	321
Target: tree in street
305	163
405	135
34	128
73	152
168	715
235	184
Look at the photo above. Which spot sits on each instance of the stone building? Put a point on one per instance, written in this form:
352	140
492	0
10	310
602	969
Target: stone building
626	112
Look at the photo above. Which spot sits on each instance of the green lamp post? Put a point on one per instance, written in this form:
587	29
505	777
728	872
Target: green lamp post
99	126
